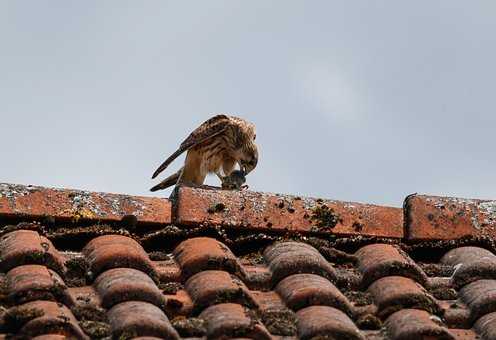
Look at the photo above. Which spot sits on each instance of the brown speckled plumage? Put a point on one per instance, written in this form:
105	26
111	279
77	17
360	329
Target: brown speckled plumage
216	146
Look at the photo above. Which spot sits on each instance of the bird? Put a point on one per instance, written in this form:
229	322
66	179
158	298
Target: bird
216	146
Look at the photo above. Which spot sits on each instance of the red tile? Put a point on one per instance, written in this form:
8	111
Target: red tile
396	292
43	317
288	258
30	202
28	247
455	313
34	282
486	326
414	324
380	260
480	297
464	334
446	218
113	251
214	286
125	284
470	264
229	320
303	290
247	209
137	318
324	321
203	253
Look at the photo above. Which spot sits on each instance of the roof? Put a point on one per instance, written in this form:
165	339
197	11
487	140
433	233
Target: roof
228	264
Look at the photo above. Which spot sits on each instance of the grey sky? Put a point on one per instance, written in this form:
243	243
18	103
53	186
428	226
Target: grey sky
353	100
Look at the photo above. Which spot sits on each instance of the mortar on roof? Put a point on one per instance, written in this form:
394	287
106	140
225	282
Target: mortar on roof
189	327
17	317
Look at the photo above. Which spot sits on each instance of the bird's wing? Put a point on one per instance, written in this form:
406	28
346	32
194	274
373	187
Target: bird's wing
205	131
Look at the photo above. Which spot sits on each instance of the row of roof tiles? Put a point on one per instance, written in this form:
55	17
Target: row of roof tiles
205	290
421	218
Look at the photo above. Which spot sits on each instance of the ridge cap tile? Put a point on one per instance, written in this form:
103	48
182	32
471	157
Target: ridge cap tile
35	203
276	212
449	218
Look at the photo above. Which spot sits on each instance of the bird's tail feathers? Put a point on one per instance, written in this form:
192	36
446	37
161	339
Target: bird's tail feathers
168	182
166	163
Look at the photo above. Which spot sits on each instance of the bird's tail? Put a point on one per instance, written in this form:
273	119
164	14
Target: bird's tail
168	182
168	161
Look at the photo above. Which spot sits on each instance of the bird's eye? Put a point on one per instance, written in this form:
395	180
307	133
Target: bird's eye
254	136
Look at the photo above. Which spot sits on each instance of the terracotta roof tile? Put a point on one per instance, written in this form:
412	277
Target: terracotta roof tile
36	203
413	324
28	247
233	320
283	212
227	273
303	290
137	318
126	284
480	297
317	321
379	260
486	326
35	282
211	287
288	258
471	264
202	253
431	217
391	293
41	317
113	251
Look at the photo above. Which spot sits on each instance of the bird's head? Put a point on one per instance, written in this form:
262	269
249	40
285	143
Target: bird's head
249	158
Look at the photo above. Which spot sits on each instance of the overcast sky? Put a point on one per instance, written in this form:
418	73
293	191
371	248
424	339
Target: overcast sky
353	100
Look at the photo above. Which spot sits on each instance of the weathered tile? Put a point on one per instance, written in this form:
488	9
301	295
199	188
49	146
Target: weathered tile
323	321
413	324
37	318
232	320
113	251
32	202
202	253
380	260
35	282
392	293
288	258
138	318
303	290
470	264
264	211
211	287
448	218
125	284
28	247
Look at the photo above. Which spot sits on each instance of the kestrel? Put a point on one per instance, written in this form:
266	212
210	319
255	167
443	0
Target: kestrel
216	146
